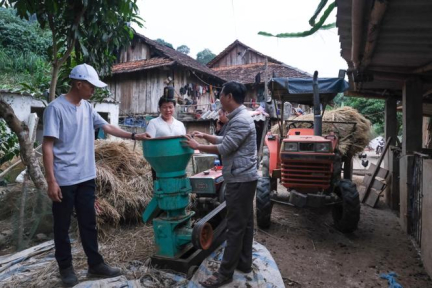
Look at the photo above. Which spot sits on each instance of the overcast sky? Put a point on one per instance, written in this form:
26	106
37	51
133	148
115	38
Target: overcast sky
215	24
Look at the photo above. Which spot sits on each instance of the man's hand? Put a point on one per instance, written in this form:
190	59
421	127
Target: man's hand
191	142
54	191
198	134
142	136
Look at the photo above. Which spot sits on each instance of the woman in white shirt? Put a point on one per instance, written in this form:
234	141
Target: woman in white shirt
165	125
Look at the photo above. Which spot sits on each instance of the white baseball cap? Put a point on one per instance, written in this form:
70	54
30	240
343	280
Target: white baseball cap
87	73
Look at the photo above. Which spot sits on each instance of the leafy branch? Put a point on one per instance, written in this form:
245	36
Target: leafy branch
315	27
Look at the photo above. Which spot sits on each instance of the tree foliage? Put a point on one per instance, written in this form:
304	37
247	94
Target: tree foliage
23	51
9	147
163	42
20	36
82	31
205	56
183	49
315	26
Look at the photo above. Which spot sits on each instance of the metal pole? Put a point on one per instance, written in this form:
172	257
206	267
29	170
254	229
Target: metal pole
317	110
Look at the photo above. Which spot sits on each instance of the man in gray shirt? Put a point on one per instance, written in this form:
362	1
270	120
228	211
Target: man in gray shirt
69	160
239	155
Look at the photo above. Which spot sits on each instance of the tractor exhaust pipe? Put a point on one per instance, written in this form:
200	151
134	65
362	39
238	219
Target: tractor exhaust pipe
317	106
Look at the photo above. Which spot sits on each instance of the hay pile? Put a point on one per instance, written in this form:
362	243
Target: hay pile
127	247
351	141
124	184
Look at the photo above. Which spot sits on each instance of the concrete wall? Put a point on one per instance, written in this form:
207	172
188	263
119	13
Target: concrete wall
426	246
23	105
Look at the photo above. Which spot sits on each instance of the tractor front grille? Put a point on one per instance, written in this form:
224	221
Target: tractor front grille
306	174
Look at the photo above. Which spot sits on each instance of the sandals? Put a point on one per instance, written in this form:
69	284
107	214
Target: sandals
216	280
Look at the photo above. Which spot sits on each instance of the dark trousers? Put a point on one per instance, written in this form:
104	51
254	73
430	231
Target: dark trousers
238	251
82	196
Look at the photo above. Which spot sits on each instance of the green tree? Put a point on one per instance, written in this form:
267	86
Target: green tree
23	51
163	42
183	49
205	56
20	36
87	31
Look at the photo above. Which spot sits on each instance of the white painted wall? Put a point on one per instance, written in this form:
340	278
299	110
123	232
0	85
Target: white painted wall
22	106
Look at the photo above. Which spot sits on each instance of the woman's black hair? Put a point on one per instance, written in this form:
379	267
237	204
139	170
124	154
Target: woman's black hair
163	100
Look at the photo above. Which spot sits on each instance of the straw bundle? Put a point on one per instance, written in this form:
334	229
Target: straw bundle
351	141
124	183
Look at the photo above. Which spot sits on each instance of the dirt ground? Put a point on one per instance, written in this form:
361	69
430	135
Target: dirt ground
311	253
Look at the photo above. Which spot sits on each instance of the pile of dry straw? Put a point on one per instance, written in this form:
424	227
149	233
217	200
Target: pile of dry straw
124	183
351	141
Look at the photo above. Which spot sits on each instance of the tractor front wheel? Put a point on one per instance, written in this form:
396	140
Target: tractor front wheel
346	215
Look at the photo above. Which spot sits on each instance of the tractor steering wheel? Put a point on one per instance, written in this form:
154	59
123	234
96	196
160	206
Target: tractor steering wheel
293	125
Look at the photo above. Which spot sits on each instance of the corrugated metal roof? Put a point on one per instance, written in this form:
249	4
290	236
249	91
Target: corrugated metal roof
403	45
246	73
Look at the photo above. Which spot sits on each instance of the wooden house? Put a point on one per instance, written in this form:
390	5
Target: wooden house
138	80
239	62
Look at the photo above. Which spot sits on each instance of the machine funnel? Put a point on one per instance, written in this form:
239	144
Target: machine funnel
167	155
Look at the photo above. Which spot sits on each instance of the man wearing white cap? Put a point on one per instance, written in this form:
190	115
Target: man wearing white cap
69	159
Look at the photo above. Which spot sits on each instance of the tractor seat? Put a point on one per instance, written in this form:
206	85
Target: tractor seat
301	131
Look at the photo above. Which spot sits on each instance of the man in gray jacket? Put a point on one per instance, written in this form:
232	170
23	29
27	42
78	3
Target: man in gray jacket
239	155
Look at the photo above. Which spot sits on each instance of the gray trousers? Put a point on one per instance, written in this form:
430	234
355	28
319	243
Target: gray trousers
240	224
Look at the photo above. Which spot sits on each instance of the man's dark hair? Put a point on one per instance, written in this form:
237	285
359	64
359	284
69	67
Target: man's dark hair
164	99
237	90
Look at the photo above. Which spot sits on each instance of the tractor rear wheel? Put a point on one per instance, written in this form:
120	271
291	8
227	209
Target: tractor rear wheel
346	215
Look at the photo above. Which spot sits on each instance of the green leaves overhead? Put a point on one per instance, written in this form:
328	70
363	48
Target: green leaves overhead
88	31
315	27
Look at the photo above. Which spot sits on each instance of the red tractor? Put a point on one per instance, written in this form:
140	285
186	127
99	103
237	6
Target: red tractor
307	163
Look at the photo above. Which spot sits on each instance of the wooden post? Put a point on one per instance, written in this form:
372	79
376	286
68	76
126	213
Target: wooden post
265	79
412	98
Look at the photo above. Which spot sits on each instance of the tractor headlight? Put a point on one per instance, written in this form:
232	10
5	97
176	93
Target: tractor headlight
322	147
291	147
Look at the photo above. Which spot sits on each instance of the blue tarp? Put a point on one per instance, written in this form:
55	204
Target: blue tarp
300	90
304	85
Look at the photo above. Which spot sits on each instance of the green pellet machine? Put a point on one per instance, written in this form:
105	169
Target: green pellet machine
183	237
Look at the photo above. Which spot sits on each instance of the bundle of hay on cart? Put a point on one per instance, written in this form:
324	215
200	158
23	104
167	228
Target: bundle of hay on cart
352	140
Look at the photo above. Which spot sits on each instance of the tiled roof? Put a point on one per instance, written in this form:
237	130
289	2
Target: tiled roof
230	47
167	57
141	65
246	73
